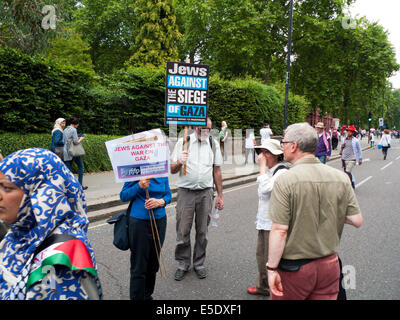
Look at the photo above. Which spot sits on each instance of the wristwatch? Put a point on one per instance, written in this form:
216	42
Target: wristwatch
269	268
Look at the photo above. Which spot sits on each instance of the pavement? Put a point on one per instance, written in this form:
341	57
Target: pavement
102	194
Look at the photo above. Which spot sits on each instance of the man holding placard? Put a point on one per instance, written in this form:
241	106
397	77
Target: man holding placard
195	199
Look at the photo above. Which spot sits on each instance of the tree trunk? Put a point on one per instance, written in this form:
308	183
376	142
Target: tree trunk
268	69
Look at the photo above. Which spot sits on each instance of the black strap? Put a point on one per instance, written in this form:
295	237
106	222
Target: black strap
54	238
210	138
282	166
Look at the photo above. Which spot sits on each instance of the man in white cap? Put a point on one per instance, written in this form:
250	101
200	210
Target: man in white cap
270	156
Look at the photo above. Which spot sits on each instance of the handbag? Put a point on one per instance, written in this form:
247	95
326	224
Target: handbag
121	228
75	150
60	152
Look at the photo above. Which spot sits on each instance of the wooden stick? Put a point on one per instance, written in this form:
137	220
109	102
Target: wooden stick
153	226
185	146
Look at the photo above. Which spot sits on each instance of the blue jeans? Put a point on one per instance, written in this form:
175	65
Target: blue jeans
253	151
79	163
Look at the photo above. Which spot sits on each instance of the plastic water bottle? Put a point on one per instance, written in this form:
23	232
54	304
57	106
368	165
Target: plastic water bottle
215	217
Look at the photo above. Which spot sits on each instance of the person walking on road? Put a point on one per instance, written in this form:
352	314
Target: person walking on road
57	138
372	139
46	254
224	139
71	133
144	255
203	162
269	159
335	138
323	151
265	133
249	142
351	153
385	142
309	206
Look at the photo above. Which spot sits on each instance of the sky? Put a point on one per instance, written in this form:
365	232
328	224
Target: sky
386	13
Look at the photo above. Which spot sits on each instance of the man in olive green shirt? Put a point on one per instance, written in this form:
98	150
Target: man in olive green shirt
309	206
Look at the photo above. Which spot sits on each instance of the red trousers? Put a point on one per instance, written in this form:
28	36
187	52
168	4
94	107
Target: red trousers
316	280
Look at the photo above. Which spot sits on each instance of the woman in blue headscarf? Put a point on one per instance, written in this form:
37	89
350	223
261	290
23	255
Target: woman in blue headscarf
46	254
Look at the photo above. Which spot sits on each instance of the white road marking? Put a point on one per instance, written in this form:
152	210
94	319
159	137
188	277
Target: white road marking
390	163
362	182
398	158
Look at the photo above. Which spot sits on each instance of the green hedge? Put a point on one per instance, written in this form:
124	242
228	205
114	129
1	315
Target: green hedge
33	94
95	160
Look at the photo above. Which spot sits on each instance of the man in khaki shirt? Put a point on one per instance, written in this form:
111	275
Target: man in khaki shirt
309	206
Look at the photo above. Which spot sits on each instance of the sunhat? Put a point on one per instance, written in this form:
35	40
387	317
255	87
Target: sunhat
271	145
351	128
320	125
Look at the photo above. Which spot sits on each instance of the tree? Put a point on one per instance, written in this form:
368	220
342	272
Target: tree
109	27
157	34
343	70
23	25
70	49
248	37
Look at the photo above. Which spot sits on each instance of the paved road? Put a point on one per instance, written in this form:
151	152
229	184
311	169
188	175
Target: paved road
370	254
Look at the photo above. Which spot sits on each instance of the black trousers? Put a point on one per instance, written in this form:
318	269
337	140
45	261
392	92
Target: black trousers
342	292
144	262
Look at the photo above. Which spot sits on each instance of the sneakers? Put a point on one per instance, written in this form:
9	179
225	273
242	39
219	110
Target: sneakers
254	291
180	274
200	273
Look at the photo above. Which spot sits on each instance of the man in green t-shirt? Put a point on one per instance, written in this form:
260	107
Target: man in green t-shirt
309	206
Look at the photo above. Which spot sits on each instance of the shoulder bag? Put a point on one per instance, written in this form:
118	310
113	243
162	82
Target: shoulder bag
60	152
121	228
75	150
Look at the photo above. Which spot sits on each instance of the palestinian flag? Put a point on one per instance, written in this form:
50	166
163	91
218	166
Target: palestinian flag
72	254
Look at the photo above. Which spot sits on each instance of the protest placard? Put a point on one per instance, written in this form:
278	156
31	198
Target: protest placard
186	94
136	156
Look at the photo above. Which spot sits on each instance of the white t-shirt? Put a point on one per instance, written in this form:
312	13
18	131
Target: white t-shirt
249	142
265	134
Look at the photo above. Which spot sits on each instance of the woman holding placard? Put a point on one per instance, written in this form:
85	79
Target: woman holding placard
147	228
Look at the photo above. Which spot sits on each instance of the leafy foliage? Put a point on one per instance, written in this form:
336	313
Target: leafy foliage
157	34
33	94
95	160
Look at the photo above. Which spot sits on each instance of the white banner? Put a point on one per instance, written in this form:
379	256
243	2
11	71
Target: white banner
136	156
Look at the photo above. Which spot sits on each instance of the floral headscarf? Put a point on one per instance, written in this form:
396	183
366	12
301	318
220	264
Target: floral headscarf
54	203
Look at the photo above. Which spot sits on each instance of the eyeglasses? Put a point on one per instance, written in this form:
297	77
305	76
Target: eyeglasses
283	142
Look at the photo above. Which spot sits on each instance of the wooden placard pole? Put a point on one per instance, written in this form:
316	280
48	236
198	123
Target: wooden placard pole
185	148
